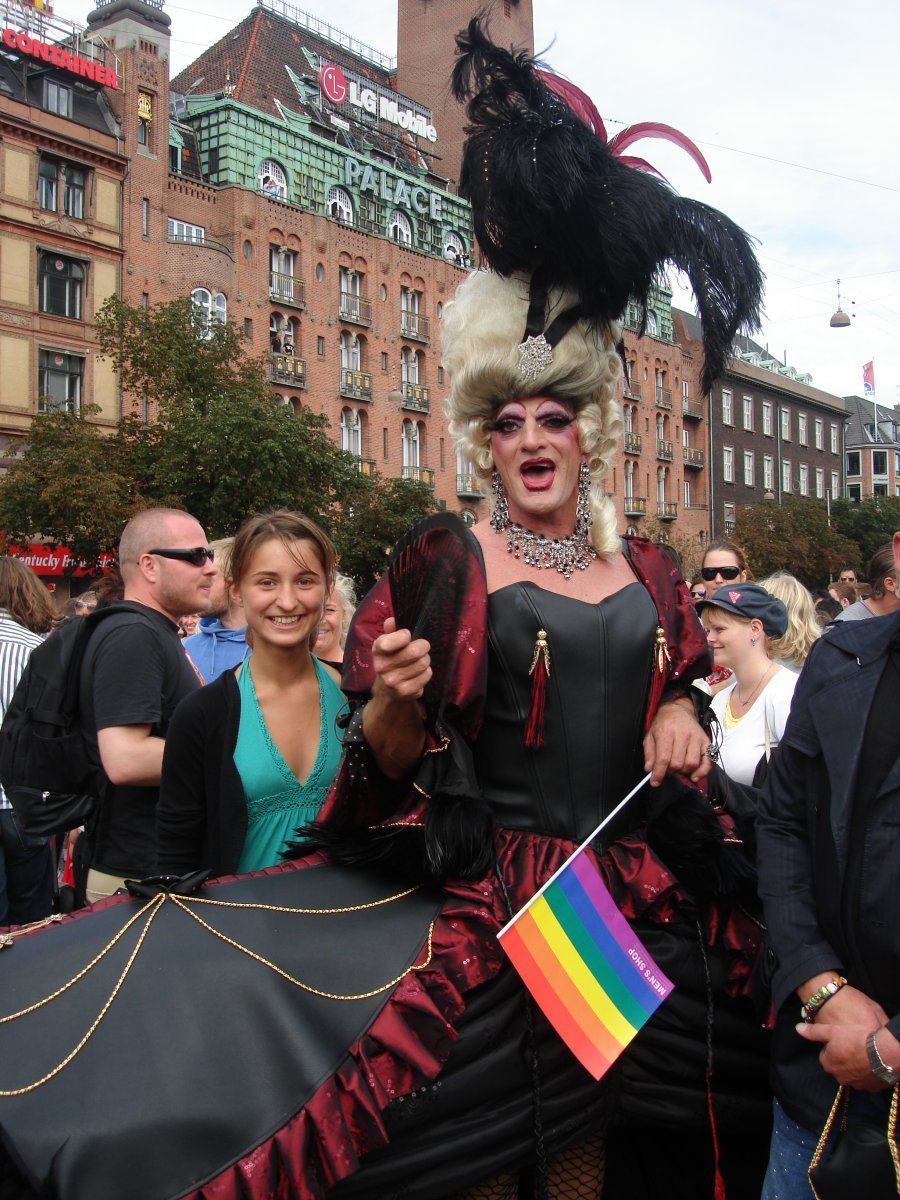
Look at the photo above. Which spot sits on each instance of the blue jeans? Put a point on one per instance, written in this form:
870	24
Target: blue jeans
26	874
792	1148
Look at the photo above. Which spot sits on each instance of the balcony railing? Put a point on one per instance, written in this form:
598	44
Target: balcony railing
469	486
366	467
287	368
415	396
635	506
667	510
356	308
664	450
632	443
663	398
420	475
692	408
699	505
693	458
633	389
356	385
287	289
415	326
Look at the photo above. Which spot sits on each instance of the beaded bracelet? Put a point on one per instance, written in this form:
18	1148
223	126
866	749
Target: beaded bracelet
820	997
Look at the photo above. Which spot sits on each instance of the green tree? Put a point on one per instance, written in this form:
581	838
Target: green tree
366	529
71	485
869	523
792	536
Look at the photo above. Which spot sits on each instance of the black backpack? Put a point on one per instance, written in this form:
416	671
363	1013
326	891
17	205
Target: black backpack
50	774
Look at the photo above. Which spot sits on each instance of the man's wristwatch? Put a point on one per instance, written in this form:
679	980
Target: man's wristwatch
877	1063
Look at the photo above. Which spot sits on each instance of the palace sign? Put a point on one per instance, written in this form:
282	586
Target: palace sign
339	90
396	191
56	56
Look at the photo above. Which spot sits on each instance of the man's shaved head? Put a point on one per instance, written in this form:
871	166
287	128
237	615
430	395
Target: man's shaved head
145	530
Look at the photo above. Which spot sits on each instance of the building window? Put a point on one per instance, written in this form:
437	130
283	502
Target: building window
271	180
834	439
410	304
748	412
60	286
768	473
853	462
455	249
145	217
351	432
785	476
320	347
57	98
748	468
879	462
409	366
248	328
818	433
409	447
339	206
350	283
835	485
350	353
399	228
767	418
804	479
687	493
209	307
785	424
145	118
728	464
48	180
283	284
652	323
175	160
181	231
820	484
854	492
60	377
801	429
727	408
729	520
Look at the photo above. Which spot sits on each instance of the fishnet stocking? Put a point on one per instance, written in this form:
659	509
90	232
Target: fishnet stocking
575	1174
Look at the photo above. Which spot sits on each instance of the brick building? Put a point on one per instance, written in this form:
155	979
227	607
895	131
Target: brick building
872	449
62	167
771	433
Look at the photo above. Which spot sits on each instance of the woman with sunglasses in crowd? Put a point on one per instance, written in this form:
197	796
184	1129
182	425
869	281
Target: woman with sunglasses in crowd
724	562
251	757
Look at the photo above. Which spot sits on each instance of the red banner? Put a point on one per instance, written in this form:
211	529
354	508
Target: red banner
53	560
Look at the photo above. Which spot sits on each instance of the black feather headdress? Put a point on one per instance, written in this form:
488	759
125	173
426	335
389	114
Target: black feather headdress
549	197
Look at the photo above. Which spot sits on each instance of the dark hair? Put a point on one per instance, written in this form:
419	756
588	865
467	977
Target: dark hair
829	607
24	597
881	565
845	591
726	547
288	527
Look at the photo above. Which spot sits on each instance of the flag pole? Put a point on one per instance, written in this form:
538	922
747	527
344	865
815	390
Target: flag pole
587	841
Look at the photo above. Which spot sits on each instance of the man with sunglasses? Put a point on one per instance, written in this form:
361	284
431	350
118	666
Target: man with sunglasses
134	673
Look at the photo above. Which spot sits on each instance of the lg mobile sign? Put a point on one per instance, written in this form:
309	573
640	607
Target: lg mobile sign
336	88
56	56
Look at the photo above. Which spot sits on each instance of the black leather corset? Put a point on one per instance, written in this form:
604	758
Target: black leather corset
601	656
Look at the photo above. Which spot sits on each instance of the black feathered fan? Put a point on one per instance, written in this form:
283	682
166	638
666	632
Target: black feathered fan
428	576
549	197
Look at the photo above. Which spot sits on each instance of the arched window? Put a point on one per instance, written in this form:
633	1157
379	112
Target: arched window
661	485
351	360
271	180
660	427
409	366
652	323
409	445
629	479
339	206
454	248
351	430
399	228
209	307
628	413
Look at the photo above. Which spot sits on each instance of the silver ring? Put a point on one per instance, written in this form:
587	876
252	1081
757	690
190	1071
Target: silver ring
710	752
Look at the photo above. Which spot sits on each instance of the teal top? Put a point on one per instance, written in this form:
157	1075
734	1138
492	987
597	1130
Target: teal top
276	802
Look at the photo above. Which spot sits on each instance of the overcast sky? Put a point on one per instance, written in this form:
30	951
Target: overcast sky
795	105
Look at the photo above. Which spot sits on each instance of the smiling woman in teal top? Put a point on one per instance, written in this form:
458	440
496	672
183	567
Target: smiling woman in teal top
252	758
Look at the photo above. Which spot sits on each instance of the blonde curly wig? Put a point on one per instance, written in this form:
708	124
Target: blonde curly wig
481	330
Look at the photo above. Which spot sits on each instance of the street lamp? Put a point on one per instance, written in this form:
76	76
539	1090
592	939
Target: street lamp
839	319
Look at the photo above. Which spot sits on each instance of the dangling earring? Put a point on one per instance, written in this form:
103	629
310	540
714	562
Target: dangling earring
584	518
500	507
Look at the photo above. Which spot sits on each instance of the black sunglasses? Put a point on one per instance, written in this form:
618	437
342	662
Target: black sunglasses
698	595
197	556
709	573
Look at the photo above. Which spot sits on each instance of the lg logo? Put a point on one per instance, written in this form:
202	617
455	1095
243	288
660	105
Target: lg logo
333	84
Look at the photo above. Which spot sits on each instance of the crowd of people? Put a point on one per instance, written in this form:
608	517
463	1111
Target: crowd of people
401	780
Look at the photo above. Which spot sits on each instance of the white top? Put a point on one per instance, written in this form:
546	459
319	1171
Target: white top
745	743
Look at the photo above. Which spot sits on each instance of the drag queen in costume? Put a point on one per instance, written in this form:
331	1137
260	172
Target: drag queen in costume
346	1025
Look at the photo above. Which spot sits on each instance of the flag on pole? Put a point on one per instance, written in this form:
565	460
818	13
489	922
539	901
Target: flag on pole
869	380
583	964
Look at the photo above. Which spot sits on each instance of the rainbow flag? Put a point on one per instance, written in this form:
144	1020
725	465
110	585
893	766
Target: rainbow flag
583	964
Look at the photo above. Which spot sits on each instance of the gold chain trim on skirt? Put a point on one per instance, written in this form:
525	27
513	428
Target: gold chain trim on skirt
152	908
